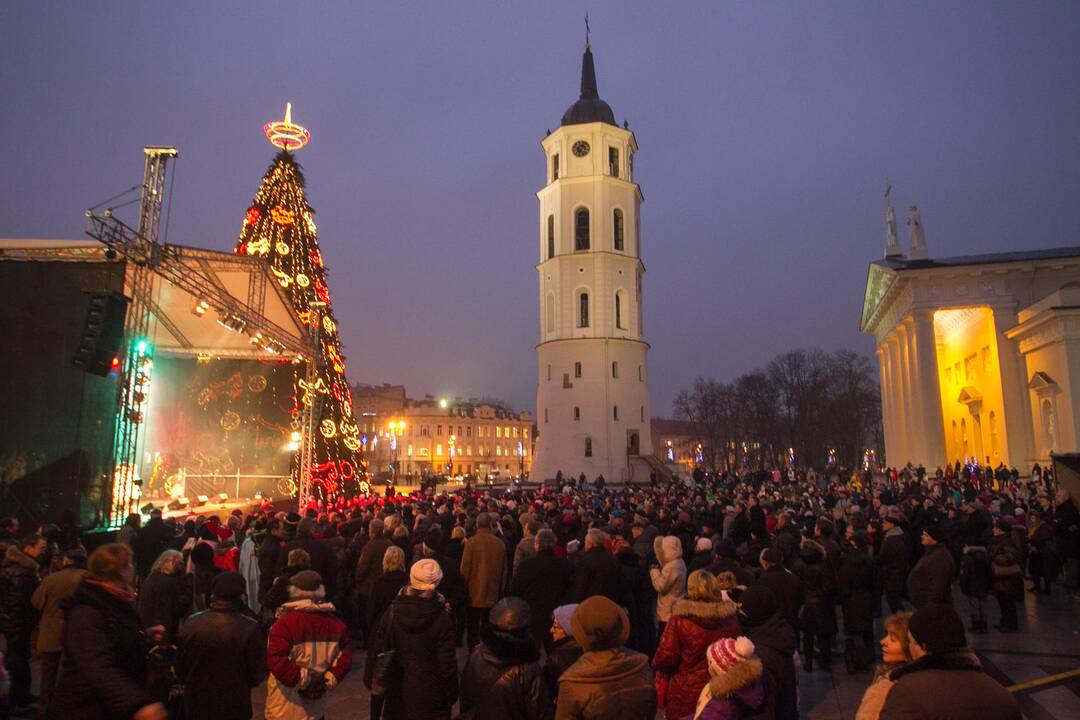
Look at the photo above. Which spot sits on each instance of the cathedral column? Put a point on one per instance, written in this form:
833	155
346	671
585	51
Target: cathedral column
902	412
933	422
917	442
1018	444
886	403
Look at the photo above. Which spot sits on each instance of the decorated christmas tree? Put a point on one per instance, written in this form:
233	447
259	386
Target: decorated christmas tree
280	227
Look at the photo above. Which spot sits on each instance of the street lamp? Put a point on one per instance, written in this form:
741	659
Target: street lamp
450	465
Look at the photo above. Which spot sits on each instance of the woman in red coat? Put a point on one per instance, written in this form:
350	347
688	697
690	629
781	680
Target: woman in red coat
697	621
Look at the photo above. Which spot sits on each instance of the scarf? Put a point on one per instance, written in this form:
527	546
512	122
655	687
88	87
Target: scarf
119	593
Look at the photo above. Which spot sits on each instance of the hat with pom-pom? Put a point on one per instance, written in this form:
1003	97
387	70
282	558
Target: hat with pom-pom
726	653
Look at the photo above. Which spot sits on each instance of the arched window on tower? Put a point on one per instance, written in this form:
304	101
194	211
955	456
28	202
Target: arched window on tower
619	323
583	310
581	229
588	447
617	230
551	236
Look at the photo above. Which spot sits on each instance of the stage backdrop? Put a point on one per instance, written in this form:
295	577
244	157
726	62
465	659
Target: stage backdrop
57	421
218	419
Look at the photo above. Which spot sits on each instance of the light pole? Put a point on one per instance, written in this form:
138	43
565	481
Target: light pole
450	465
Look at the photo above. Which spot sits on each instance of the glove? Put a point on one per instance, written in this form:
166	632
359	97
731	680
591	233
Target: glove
330	679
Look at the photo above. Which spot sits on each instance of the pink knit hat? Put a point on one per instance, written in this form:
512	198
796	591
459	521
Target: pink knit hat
726	653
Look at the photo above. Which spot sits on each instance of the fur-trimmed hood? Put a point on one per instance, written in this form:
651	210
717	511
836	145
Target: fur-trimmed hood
667	548
16	556
704	610
503	648
951	660
738	677
811	552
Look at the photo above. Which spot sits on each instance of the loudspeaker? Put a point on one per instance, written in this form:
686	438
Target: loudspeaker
200	500
147	508
102	332
223	498
178	504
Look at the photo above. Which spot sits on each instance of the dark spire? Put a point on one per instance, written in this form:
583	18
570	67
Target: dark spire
588	77
589	107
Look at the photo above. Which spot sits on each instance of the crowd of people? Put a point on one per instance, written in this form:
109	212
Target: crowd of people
702	599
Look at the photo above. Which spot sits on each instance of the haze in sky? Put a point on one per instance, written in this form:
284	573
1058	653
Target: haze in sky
766	132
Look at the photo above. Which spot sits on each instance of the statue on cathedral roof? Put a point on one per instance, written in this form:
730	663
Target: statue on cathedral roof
916	235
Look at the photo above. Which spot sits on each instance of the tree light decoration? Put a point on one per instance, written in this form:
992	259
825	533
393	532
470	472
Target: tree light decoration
280	218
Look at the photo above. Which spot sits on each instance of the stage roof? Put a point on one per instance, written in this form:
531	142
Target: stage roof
175	329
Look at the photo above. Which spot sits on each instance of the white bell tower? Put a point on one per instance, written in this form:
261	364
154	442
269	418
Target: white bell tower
592	398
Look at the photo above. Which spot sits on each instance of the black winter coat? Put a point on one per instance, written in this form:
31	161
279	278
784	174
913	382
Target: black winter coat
269	551
19	578
818	615
221	657
103	676
383	593
975	573
775	643
503	680
788	589
152	539
930	581
563	654
857	591
542	581
598	573
422	633
892	562
322	560
163	600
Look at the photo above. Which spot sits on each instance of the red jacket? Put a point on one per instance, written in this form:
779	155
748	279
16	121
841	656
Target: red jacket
694	625
306	640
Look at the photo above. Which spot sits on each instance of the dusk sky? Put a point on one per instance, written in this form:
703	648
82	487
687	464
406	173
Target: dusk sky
766	131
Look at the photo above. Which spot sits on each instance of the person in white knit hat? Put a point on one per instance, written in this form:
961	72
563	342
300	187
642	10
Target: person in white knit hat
735	688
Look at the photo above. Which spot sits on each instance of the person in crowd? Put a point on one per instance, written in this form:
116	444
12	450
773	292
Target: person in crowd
129	532
598	572
975	580
1043	565
47	601
727	560
859	602
483	564
20	574
1066	521
322	559
455	546
422	680
609	680
164	597
895	652
785	584
565	650
668	576
201	578
1008	575
944	679
775	643
703	555
249	565
103	671
151	540
526	547
735	689
817	621
278	594
543	582
452	586
930	581
308	652
369	565
388	585
221	655
892	561
271	546
696	622
503	678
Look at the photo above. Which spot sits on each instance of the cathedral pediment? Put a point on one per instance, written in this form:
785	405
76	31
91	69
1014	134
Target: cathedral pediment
878	281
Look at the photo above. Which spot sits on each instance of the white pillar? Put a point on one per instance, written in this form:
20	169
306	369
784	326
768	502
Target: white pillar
901	394
933	422
917	442
1018	444
886	403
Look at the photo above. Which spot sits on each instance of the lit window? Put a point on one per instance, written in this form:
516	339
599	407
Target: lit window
438	450
581	229
617	230
498	431
409	452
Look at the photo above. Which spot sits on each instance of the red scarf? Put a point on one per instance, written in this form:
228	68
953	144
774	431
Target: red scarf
117	592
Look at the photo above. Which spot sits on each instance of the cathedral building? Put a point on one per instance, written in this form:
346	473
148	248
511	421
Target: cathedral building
592	399
979	355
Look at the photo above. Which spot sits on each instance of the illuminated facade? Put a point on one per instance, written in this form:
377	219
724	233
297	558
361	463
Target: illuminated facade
979	356
423	437
592	399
